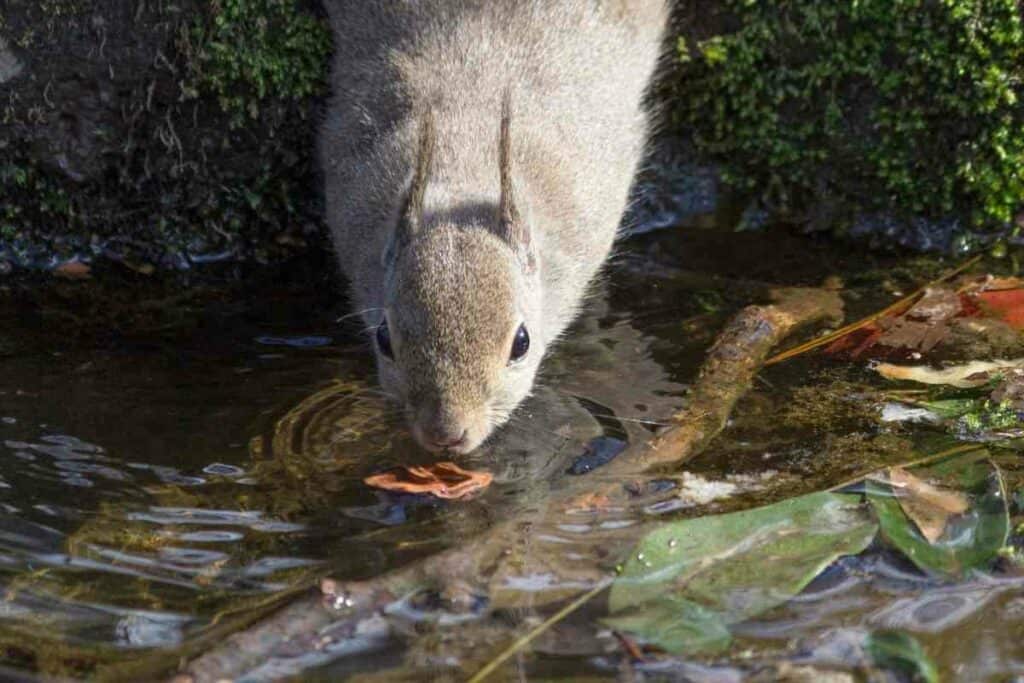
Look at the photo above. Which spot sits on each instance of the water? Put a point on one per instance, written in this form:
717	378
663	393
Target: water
156	484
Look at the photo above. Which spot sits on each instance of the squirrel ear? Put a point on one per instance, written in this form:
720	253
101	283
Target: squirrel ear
411	213
511	227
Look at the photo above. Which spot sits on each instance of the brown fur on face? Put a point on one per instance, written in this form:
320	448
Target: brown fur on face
452	321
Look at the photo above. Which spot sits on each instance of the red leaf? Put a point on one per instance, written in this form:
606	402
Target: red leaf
1006	305
442	479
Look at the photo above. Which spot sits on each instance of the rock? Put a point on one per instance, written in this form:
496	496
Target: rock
10	67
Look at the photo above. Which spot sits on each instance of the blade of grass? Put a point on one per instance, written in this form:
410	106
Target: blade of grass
522	642
926	460
896	307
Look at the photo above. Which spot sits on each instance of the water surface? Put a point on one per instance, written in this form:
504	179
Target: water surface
155	482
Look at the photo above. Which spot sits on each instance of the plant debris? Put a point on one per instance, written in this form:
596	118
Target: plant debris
442	480
929	506
967	540
945	317
964	376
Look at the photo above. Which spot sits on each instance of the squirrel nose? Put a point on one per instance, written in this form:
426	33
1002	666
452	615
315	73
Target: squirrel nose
447	437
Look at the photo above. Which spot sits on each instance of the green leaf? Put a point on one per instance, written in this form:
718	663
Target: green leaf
951	407
900	651
972	541
739	564
675	625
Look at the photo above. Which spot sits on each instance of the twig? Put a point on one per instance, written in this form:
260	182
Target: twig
727	374
539	629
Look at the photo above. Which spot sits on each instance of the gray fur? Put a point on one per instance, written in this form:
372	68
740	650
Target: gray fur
571	76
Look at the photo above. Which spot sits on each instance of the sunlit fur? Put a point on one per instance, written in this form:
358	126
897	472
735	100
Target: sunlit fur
574	73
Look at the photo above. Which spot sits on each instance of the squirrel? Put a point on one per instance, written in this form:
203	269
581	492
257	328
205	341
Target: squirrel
477	157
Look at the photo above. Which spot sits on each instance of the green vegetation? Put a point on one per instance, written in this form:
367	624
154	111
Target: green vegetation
907	105
207	154
253	49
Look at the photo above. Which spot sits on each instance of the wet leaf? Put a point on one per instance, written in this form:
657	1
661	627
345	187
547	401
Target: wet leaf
442	479
951	407
740	564
901	652
990	306
967	375
970	541
929	506
1005	304
73	270
588	502
675	625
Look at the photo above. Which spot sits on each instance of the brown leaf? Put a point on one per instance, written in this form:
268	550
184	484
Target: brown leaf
929	506
73	270
443	480
588	502
937	304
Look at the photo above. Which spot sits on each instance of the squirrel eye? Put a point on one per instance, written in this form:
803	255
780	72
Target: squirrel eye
384	340
521	344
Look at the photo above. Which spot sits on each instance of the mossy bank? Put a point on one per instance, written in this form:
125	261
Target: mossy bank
159	134
861	115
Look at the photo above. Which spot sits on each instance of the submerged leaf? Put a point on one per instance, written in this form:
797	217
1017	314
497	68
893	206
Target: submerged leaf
970	541
929	506
675	625
740	564
901	652
1006	305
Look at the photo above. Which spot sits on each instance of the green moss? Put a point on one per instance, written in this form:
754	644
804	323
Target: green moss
253	49
987	415
914	105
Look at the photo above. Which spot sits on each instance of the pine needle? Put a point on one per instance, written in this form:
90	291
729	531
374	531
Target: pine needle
896	307
529	637
926	460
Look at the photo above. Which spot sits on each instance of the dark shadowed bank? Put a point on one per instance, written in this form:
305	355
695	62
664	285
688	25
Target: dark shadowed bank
165	135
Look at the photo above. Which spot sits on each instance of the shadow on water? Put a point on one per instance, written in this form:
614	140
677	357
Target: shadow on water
155	486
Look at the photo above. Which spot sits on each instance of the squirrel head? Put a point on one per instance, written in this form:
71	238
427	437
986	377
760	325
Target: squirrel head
460	335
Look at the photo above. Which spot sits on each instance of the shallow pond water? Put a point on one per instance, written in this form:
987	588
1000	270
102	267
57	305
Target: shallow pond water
157	485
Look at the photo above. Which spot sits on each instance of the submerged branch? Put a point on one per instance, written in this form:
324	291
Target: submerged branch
725	377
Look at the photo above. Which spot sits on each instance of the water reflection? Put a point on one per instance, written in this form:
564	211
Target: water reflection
138	500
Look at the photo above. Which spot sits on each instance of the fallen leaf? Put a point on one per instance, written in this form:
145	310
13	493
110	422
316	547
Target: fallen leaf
904	334
588	502
139	267
73	270
936	319
937	304
1006	305
965	376
687	581
856	344
901	652
975	536
442	480
930	507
